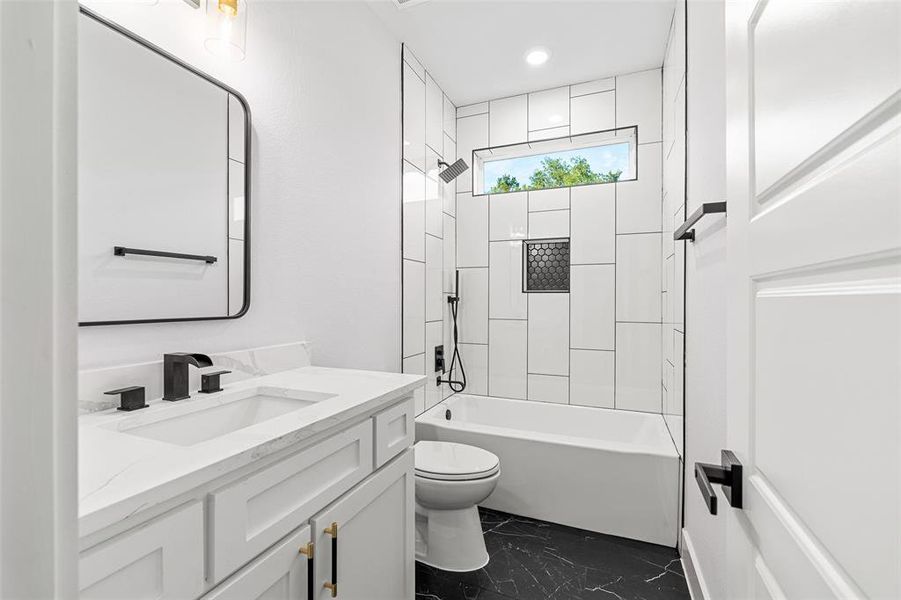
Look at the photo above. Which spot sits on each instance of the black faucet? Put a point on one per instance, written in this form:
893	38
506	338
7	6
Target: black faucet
175	373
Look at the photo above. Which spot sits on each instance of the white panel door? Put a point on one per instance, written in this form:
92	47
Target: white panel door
281	573
375	540
814	234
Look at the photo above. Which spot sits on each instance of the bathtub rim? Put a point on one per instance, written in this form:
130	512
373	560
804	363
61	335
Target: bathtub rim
429	418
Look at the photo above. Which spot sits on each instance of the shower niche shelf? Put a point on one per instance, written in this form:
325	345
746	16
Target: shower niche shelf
545	265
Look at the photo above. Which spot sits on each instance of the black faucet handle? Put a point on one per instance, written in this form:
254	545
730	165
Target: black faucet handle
209	382
131	398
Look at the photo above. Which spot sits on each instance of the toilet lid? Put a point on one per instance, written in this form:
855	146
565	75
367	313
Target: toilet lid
451	461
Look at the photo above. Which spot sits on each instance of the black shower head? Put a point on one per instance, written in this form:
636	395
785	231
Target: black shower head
452	171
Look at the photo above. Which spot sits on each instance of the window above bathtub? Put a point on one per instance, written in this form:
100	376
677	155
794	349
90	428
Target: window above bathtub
586	159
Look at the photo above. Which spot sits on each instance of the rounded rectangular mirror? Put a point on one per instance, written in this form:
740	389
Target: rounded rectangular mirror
163	185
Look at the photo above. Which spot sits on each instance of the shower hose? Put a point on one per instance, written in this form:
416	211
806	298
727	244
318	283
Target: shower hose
455	386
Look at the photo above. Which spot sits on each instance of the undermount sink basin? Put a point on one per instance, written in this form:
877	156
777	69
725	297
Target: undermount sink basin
223	415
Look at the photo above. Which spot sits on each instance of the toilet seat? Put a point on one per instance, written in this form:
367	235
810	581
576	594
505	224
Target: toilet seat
449	461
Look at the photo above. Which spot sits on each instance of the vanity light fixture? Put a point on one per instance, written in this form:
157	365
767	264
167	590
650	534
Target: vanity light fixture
537	56
226	29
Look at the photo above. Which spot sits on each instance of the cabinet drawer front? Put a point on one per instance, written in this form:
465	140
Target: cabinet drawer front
161	559
280	574
394	431
249	516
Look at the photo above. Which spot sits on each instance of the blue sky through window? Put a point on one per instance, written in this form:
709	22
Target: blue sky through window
609	157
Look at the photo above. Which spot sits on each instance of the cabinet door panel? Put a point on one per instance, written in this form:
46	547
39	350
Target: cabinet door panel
249	516
375	537
279	574
162	560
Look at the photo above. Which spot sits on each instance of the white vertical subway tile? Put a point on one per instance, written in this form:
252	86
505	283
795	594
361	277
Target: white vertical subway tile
449	118
413	213
415	365
549	334
472	133
507	120
472	230
638	277
414	308
414	118
549	388
677	406
591	375
678	287
553	199
592	298
449	190
449	253
508	216
594	112
506	299
475	364
433	338
593	87
549	134
473	311
434	114
639	202
638	102
479	108
434	203
549	108
549	224
638	367
669	269
593	235
434	270
507	359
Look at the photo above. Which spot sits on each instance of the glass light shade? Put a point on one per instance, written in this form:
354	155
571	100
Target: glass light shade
226	29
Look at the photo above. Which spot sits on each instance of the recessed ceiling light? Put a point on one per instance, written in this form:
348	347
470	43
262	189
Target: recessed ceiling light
537	56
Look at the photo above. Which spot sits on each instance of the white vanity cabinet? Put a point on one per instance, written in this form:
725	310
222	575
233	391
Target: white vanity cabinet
160	559
250	535
375	538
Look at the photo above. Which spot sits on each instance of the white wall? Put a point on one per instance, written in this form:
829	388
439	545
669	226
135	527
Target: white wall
321	79
429	226
706	277
598	345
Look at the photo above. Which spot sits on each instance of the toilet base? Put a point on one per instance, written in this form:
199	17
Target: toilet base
450	540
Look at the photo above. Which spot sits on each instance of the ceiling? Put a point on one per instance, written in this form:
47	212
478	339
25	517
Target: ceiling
474	49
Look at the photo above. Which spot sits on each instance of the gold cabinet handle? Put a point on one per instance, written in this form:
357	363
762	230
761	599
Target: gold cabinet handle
332	585
307	551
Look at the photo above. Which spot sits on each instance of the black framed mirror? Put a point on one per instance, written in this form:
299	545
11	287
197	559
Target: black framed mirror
164	185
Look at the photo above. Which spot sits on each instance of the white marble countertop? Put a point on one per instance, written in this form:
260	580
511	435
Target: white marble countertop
120	474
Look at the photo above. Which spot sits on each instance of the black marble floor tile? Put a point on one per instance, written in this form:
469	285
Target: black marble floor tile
535	560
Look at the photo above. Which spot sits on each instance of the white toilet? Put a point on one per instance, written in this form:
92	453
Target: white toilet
451	479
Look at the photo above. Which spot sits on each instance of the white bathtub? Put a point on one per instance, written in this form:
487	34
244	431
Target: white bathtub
608	471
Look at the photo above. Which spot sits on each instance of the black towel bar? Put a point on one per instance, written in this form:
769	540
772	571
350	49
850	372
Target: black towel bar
122	251
685	232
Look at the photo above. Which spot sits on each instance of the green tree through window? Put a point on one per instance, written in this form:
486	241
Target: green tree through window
556	172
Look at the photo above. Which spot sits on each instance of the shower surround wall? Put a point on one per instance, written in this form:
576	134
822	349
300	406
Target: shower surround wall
600	344
429	226
673	339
